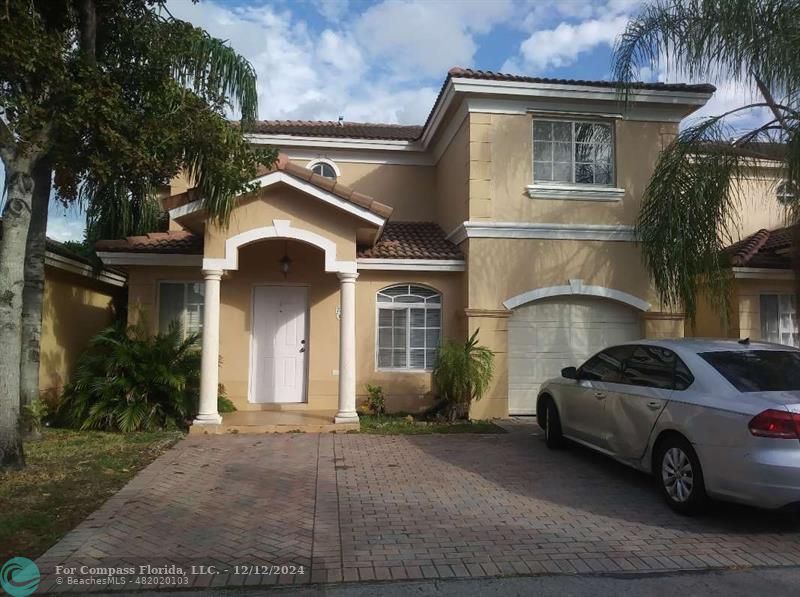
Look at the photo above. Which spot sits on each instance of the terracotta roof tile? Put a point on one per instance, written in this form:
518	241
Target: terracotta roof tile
406	132
283	164
411	240
329	128
176	241
468	73
769	249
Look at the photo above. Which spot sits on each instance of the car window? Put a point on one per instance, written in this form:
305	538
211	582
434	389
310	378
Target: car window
605	366
683	377
758	370
650	367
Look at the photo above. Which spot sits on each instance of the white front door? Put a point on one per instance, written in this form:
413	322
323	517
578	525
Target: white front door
279	344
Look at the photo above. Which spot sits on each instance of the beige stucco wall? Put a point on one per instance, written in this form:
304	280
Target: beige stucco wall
143	284
452	181
260	208
409	189
748	294
75	309
405	391
501	167
759	207
500	269
745	318
259	264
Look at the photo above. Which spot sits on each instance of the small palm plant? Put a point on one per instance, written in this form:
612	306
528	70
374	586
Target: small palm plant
462	374
128	380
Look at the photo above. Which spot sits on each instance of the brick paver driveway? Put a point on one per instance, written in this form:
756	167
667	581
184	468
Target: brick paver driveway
361	507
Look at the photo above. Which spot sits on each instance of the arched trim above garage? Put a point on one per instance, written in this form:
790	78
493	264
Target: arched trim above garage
576	287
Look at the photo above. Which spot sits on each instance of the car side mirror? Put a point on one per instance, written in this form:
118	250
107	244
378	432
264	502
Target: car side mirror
569	373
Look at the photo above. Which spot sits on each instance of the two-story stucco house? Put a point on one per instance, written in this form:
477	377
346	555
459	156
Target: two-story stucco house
509	210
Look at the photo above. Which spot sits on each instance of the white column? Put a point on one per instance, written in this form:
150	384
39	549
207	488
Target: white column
347	350
209	368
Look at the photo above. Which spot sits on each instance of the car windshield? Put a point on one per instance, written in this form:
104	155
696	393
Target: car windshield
758	370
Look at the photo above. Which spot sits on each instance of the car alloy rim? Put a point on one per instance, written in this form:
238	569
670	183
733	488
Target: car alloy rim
677	474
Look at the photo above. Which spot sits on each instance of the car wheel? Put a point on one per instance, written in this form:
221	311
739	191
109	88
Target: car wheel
552	425
680	476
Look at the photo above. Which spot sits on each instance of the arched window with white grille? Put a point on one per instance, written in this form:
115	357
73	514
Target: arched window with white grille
409	323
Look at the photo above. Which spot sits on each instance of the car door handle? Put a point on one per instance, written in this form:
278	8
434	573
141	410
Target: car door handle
600	395
654	405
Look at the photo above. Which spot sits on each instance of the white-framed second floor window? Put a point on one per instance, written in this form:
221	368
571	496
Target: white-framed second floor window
181	302
779	319
409	327
573	152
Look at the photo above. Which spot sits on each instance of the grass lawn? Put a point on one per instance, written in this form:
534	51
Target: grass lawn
69	475
404	424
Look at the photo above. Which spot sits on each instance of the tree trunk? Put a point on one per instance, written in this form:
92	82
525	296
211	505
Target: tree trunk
33	293
88	30
16	221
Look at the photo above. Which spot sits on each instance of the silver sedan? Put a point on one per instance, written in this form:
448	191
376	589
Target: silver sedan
708	418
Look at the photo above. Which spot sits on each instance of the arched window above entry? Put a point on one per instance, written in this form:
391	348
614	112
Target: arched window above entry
324	167
409	323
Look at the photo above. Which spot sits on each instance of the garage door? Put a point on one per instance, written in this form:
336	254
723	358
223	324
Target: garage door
547	335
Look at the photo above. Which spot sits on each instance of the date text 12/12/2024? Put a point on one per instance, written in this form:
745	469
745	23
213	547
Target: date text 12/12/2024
168	575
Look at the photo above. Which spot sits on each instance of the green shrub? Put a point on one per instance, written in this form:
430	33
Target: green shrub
224	405
376	401
462	374
128	380
33	415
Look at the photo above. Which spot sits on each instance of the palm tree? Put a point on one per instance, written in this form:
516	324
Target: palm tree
105	101
689	209
462	374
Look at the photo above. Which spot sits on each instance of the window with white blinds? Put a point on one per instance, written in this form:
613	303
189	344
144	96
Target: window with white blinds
181	302
409	327
779	319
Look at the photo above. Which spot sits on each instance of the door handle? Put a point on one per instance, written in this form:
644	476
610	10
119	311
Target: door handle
303	349
600	395
654	405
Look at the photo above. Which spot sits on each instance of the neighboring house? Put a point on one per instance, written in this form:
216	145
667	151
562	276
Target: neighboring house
510	210
764	303
79	301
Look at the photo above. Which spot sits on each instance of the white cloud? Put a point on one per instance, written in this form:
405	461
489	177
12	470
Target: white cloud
332	10
426	38
383	65
561	46
63	227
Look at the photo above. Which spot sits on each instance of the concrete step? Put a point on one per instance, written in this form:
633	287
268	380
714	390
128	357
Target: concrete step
275	421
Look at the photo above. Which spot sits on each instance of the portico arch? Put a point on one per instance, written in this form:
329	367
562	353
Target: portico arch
280	229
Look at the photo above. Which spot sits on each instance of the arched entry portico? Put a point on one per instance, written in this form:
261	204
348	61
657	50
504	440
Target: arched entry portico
213	270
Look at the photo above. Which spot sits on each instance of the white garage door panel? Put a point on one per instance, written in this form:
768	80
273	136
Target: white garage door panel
546	336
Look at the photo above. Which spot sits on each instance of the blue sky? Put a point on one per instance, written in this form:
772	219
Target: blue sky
385	60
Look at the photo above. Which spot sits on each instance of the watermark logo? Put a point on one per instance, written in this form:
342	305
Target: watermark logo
19	577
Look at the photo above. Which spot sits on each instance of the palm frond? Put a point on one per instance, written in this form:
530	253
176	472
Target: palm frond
720	40
129	381
463	373
689	215
690	207
212	68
